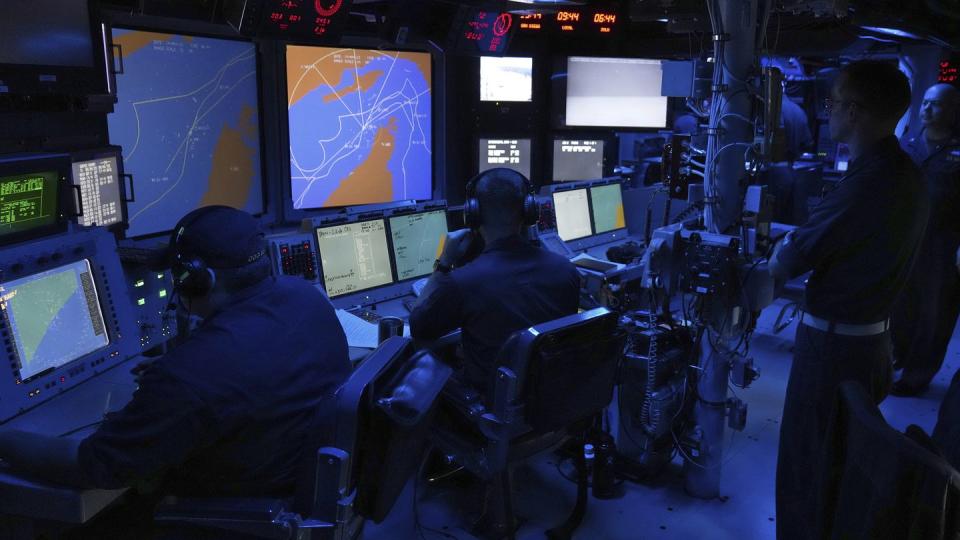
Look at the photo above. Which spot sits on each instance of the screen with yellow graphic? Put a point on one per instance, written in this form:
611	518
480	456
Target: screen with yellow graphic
359	126
606	203
187	117
54	317
354	256
417	241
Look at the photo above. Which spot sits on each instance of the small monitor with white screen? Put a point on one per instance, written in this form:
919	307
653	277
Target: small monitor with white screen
417	241
606	205
577	159
510	153
354	256
54	317
615	92
573	214
506	79
99	181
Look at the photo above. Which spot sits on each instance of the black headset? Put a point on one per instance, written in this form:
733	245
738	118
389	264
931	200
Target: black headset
472	217
192	277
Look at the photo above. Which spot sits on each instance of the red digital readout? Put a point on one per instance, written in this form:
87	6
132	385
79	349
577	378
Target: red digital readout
949	72
327	8
489	30
304	17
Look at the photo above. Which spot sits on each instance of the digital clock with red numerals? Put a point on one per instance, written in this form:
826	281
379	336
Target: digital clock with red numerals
583	21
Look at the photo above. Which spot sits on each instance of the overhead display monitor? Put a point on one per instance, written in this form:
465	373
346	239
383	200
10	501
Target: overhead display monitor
577	159
615	92
99	181
354	256
28	201
510	153
54	317
417	241
606	205
506	78
46	33
360	126
573	214
187	118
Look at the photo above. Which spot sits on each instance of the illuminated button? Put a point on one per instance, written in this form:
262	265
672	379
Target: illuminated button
160	275
162	293
138	283
141	301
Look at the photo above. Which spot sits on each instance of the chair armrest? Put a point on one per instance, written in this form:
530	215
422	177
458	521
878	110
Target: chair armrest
262	518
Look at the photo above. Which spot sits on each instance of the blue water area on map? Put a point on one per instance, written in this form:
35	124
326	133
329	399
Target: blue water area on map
348	128
179	99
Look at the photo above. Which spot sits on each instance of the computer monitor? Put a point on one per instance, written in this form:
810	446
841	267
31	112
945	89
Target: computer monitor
359	126
577	159
354	256
29	199
615	92
417	241
506	79
510	153
54	317
573	214
606	205
100	190
188	120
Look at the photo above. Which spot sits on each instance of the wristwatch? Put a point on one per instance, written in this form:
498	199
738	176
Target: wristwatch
440	267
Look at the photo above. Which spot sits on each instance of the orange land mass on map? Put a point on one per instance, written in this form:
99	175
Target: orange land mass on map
366	81
132	42
299	56
231	177
371	182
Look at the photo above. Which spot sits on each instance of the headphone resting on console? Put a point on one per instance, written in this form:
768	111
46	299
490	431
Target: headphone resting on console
192	277
472	216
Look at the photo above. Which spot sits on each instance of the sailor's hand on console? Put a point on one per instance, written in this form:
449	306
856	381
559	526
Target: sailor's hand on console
456	246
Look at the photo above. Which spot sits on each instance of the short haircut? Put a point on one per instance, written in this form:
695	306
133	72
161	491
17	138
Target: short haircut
500	192
879	87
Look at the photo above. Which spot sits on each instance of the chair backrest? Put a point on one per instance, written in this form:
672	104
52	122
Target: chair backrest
876	482
382	412
566	368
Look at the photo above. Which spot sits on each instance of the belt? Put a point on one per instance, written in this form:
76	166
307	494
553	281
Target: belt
844	329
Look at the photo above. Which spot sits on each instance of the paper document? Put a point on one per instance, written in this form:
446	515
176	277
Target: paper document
361	333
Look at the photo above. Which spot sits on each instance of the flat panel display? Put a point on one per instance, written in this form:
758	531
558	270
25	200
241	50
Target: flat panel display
99	181
360	126
510	153
46	33
28	201
417	241
54	317
354	256
506	78
577	159
615	92
187	118
573	214
606	205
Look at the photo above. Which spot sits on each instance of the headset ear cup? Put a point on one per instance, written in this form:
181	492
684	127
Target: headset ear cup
471	213
531	210
195	279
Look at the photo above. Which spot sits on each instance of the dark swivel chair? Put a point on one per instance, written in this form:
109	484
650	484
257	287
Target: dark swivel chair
878	483
551	380
383	412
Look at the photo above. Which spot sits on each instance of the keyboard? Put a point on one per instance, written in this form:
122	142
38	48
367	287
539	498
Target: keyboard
409	303
418	286
367	315
593	264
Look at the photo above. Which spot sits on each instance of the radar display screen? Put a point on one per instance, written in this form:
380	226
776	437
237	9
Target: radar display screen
360	126
54	317
187	118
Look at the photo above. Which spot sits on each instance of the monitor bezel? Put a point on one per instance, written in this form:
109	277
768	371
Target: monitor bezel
101	153
559	97
593	221
292	214
107	329
192	29
59	163
393	253
389	241
553	200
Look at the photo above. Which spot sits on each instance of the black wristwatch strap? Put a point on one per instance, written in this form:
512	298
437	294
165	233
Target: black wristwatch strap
440	267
